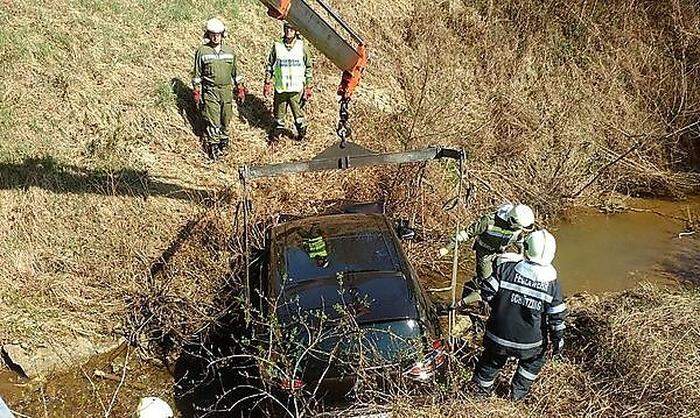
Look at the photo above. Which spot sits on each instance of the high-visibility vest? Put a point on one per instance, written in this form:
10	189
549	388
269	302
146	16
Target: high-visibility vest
316	247
289	67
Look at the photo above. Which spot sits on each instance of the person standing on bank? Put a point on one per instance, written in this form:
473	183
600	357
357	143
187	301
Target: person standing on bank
215	82
289	68
527	316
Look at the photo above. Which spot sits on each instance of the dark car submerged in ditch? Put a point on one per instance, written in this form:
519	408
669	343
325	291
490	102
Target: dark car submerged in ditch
344	306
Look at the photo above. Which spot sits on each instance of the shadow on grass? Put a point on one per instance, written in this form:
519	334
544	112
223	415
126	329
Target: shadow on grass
48	174
159	264
255	112
187	107
216	374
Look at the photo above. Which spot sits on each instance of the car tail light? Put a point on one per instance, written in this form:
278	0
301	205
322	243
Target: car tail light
424	370
290	385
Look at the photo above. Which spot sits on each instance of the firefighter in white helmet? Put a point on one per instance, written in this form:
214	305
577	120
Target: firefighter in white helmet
152	407
527	315
289	74
216	81
494	233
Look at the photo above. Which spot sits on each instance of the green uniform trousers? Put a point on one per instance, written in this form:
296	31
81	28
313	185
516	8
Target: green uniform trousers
280	102
217	110
484	269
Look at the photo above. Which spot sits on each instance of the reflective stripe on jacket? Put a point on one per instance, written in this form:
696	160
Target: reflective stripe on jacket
526	304
493	233
316	247
214	68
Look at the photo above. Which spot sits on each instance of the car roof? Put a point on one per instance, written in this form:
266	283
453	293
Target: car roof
354	242
389	295
329	225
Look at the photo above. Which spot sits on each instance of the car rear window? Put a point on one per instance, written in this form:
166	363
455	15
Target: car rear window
393	339
380	342
361	252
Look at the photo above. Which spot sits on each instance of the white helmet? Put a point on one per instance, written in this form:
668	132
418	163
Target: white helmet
521	216
152	407
540	247
215	25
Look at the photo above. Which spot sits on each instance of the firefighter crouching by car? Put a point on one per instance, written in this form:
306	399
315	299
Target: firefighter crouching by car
215	81
494	232
527	315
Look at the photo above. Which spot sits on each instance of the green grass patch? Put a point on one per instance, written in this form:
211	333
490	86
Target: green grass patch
5	117
164	94
178	11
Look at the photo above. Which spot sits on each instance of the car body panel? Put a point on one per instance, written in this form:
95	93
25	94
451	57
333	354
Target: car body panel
368	277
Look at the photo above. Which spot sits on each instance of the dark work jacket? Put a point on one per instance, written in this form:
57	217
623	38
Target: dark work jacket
526	306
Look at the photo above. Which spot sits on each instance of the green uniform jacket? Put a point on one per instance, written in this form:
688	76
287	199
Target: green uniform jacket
272	58
493	234
215	69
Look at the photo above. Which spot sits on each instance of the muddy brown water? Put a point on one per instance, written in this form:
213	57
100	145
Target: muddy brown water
601	253
596	253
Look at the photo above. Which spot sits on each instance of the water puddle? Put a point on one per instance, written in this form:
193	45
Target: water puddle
599	253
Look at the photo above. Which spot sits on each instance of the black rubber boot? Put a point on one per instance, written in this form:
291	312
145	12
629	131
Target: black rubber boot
478	391
213	151
223	147
301	133
273	136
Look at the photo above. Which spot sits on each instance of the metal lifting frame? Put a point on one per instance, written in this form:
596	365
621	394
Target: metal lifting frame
340	158
330	160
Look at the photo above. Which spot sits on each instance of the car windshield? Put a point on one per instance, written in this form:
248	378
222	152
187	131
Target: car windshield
359	252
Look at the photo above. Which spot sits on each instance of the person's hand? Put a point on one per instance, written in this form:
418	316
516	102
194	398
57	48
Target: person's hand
307	94
241	91
197	96
267	89
484	308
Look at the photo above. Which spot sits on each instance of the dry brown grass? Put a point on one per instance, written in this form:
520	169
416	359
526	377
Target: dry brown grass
101	174
632	354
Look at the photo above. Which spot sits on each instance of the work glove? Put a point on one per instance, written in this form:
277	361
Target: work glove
197	96
443	308
241	91
267	89
557	345
307	94
483	308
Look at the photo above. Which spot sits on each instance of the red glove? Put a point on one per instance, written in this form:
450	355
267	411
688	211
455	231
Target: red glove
307	94
267	89
197	96
241	91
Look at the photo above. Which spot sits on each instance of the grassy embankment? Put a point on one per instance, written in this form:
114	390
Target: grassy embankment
101	172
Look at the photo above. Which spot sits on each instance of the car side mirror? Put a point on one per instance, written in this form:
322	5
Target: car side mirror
405	232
